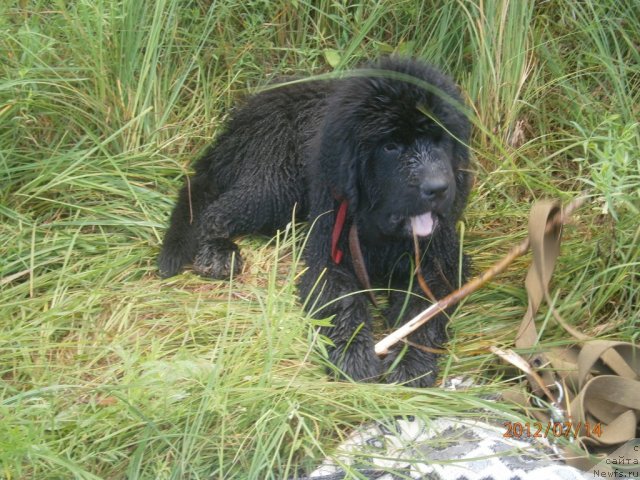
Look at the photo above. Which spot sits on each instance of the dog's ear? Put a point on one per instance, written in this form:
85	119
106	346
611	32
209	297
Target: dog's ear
341	158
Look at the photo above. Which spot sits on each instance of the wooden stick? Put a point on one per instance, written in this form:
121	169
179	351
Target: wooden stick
418	271
382	347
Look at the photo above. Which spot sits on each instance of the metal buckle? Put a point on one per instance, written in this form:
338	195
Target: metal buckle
556	414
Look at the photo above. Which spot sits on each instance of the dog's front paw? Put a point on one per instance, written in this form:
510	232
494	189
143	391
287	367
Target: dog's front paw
356	361
415	369
218	259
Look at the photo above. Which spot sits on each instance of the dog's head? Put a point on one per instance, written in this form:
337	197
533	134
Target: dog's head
394	144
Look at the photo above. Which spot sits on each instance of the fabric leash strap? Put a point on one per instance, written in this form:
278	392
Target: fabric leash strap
358	263
546	248
337	254
600	378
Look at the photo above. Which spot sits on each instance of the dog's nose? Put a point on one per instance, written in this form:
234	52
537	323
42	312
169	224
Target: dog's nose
433	188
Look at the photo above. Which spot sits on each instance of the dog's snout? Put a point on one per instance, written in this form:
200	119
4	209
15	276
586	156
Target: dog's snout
433	188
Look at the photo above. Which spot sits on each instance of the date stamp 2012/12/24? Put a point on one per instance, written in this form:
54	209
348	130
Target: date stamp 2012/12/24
567	430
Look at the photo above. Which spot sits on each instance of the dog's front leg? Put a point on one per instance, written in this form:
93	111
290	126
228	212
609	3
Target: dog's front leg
330	293
414	362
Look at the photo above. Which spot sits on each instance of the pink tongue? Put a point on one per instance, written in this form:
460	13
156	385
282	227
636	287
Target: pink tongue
422	224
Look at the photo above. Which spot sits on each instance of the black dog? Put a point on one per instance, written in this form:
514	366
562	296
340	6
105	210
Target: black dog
384	148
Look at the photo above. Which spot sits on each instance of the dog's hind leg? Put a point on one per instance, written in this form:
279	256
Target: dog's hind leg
181	241
251	206
217	258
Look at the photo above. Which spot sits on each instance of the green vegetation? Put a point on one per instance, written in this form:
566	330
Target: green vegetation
107	371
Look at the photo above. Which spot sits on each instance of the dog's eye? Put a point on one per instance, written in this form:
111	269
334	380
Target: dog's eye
392	148
435	133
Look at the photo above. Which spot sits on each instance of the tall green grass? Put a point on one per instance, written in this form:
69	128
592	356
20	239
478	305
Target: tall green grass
106	371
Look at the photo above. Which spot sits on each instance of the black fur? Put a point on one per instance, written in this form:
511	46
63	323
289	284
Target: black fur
391	141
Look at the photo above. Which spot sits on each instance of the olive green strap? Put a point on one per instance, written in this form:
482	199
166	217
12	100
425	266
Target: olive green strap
601	379
546	248
609	391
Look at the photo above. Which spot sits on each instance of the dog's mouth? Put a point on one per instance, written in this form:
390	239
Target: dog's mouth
423	225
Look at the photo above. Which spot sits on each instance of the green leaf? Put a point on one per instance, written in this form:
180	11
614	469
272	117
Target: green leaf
332	57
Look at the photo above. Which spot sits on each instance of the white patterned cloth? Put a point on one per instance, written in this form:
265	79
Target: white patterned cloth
442	449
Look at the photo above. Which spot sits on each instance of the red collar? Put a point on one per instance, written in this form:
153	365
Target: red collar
338	226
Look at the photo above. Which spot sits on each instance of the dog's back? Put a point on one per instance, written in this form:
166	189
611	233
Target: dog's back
260	153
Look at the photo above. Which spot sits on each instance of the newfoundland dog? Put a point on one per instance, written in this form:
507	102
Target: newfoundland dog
384	149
